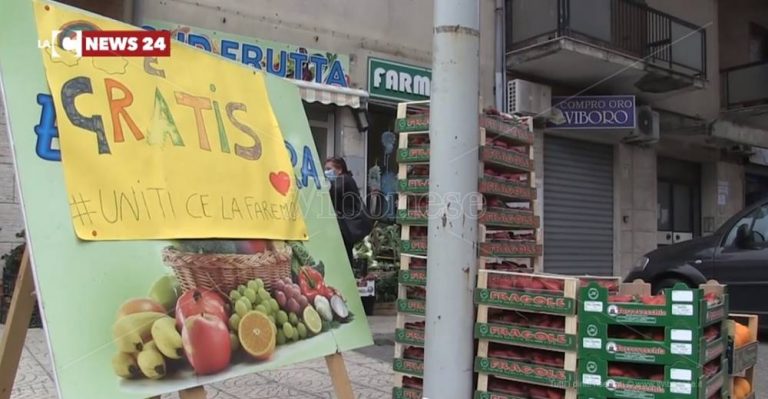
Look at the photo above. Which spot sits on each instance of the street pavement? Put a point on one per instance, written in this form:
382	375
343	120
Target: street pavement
370	370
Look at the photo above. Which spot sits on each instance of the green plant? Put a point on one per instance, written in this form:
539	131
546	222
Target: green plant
386	288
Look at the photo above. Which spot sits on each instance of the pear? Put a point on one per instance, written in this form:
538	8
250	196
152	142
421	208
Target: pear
166	292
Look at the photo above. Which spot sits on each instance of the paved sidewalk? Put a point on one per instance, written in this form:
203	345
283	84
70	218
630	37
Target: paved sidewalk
370	370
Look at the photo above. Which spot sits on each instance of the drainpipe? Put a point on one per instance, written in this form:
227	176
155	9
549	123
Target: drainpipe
453	174
500	58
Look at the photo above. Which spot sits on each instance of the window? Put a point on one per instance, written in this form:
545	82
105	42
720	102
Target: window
758	43
756	221
760	227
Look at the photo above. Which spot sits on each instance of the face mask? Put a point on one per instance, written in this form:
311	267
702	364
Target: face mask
330	174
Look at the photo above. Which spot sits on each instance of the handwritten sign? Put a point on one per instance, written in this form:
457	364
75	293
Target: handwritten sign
152	148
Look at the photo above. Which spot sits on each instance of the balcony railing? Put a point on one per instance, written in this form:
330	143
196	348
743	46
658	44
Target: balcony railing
622	26
745	85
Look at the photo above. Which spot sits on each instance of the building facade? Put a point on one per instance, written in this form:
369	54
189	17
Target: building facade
700	66
697	69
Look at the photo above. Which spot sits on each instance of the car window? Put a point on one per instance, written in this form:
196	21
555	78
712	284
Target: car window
757	222
731	237
760	226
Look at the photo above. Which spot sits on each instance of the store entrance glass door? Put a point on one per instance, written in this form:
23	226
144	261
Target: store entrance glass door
675	212
321	124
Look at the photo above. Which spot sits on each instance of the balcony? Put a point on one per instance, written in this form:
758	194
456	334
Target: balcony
745	94
614	45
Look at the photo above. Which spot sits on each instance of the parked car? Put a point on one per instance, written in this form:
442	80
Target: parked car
735	255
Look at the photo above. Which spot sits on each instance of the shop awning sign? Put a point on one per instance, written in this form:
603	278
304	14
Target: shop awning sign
593	112
396	81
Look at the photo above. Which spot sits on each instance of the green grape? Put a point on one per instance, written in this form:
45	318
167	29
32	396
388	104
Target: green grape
235	295
261	308
274	305
280	337
242	307
295	337
259	282
241	289
281	317
234	321
288	330
264	295
250	294
302	329
293	318
272	319
253	285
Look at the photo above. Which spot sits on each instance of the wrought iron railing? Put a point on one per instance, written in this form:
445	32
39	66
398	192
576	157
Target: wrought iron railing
624	26
745	85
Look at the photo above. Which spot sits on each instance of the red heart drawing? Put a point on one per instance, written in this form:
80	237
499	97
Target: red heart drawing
281	181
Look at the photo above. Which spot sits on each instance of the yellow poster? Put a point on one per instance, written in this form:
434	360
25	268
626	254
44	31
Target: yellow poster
185	146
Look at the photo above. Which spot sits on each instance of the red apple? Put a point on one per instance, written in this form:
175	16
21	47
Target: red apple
251	246
198	301
206	343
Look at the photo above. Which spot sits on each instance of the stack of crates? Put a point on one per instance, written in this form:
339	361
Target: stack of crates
527	329
668	346
412	126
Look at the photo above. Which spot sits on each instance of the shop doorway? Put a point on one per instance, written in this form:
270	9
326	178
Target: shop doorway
323	127
678	209
578	207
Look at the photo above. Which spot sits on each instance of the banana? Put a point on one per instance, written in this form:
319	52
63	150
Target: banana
151	363
166	337
125	366
130	331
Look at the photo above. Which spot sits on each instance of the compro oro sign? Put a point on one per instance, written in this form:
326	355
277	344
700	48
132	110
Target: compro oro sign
391	80
593	112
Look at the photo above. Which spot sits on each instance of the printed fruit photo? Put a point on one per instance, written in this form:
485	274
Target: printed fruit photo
184	327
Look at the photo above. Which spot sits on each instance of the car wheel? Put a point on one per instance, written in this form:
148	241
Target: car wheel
665	283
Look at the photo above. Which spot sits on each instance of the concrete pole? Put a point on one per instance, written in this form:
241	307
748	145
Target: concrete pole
453	174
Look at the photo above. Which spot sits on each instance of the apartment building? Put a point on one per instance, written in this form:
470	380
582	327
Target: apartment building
697	72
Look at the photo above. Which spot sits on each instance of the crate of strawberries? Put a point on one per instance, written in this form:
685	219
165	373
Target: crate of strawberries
416	179
509	158
509	244
410	388
411	334
412	362
413	277
544	293
536	330
506	185
416	211
416	243
679	306
536	366
650	344
499	388
685	379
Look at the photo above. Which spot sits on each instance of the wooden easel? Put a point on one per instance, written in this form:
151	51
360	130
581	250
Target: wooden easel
20	313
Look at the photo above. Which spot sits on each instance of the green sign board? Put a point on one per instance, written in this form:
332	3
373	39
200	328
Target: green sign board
395	81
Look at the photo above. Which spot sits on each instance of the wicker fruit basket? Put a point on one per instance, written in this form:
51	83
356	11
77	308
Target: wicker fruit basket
224	272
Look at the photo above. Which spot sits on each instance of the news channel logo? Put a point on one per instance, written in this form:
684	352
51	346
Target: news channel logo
67	41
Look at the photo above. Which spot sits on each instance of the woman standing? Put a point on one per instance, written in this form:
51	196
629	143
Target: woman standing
353	220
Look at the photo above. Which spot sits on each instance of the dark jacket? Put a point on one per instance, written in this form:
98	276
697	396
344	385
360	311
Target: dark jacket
345	196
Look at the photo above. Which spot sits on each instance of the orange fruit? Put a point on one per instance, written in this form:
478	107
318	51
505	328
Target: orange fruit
741	387
741	335
257	335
